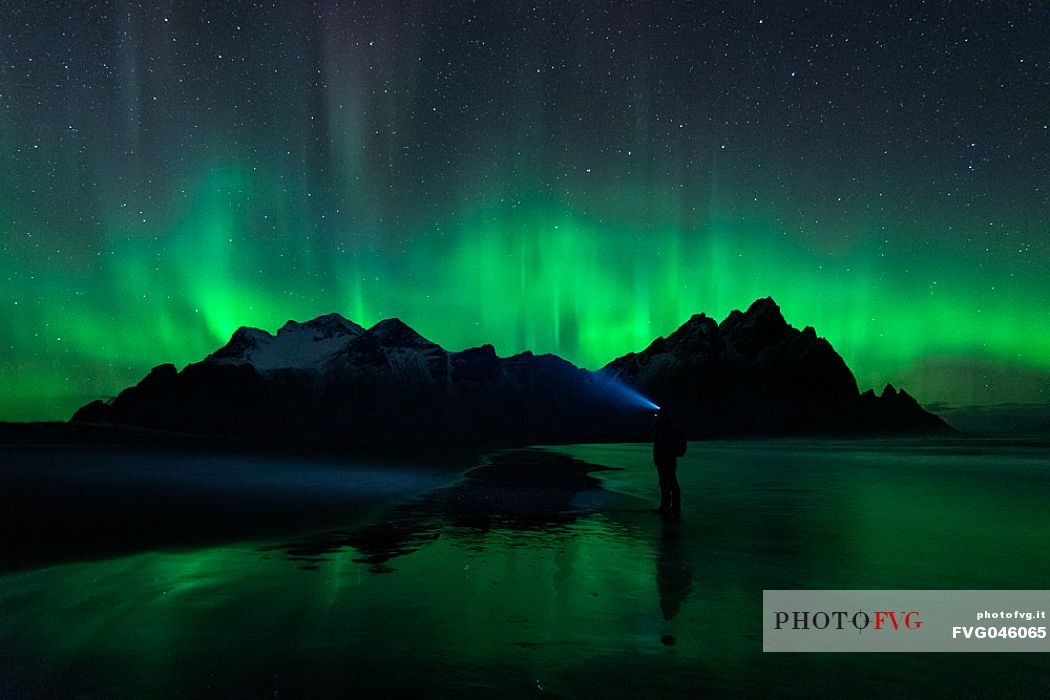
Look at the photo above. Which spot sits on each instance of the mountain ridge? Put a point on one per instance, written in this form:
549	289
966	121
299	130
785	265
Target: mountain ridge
331	382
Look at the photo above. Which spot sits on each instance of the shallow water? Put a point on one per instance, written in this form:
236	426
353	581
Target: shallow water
597	597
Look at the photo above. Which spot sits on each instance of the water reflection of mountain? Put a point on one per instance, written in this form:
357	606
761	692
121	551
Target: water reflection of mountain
515	491
518	493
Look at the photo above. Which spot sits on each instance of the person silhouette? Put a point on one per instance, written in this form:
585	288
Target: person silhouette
668	445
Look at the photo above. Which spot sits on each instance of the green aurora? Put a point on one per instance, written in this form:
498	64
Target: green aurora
527	275
175	173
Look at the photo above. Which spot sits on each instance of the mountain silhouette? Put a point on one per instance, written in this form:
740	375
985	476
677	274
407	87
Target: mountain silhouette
329	383
754	374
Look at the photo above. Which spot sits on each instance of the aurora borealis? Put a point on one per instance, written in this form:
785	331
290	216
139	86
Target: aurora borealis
575	178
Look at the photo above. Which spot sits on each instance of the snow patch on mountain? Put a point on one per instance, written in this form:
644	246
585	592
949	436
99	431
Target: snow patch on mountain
304	346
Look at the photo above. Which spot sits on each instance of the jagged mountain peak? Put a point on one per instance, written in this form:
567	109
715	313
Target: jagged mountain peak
251	332
393	332
763	313
241	343
326	326
891	393
761	327
753	374
296	345
699	331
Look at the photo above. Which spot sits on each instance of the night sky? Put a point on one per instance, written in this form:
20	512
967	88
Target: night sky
568	177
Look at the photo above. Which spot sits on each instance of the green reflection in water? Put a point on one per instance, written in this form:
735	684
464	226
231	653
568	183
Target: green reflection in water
620	601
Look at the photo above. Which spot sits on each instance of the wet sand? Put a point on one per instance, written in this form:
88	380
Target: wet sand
541	572
69	502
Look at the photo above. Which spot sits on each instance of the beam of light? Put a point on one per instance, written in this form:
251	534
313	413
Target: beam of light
623	393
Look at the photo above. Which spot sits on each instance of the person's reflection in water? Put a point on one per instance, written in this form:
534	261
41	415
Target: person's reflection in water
674	571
